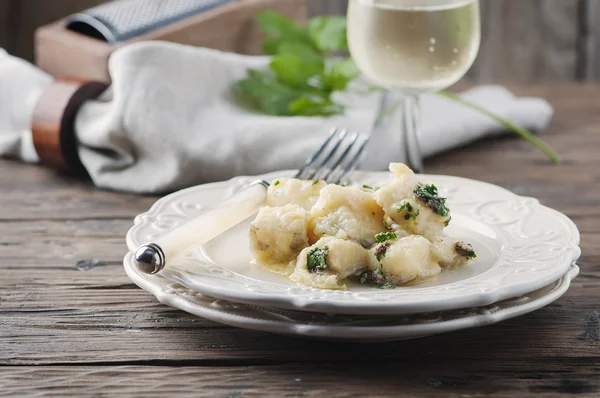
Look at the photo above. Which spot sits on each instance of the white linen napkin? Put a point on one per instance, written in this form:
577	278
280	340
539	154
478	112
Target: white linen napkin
169	120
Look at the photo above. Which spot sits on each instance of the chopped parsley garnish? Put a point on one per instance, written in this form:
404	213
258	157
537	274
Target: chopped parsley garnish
380	251
428	194
448	221
365	186
277	182
465	250
411	212
315	182
385	236
317	260
376	279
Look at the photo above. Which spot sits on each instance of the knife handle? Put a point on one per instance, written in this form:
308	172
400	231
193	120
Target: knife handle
152	257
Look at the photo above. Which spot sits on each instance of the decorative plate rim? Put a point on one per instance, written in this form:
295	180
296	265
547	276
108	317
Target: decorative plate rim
481	292
281	321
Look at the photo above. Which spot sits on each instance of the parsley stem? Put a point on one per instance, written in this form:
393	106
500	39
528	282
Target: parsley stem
526	135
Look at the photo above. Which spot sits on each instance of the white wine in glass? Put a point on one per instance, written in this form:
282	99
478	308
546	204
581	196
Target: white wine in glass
412	47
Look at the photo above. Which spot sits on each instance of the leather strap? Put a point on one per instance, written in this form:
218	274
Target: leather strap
53	122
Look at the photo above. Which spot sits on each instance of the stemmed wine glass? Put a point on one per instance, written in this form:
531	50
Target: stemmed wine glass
412	47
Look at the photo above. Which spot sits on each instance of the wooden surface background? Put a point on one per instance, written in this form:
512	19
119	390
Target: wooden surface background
523	41
73	324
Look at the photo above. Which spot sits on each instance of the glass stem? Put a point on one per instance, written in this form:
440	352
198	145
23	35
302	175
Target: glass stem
412	133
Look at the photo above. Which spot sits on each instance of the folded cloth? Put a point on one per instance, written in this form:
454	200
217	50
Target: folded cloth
169	120
21	84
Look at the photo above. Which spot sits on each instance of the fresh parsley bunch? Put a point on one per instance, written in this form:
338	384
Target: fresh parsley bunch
304	71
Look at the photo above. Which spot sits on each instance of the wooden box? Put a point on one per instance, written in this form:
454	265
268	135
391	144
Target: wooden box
231	27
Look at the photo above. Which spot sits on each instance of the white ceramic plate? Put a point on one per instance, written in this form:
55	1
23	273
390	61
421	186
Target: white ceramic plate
343	327
521	245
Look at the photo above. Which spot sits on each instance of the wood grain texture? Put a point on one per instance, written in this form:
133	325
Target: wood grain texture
319	7
300	380
592	41
42	194
528	40
72	323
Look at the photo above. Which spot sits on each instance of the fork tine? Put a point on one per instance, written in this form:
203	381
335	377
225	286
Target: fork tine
328	171
342	170
323	168
313	158
323	155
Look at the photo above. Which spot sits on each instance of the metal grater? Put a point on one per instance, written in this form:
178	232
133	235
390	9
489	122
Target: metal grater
121	20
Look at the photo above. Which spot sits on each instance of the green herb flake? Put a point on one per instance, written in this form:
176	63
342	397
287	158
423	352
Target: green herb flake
375	279
277	182
315	182
411	212
428	195
317	260
381	250
385	236
465	250
367	187
386	225
448	221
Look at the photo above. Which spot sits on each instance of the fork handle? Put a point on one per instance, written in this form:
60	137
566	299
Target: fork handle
152	257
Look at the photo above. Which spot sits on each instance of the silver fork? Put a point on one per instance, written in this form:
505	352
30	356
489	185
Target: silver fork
332	161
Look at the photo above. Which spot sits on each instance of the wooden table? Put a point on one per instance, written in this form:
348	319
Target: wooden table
71	322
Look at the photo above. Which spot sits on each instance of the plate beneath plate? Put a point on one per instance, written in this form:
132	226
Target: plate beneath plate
522	246
343	327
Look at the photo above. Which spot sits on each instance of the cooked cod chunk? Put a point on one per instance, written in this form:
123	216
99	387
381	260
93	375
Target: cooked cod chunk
292	191
278	234
405	259
347	213
415	207
329	261
448	253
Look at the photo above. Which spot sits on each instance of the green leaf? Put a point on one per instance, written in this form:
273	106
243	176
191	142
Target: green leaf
314	106
341	73
526	135
262	91
271	45
428	195
329	33
302	50
316	260
295	70
280	29
275	24
385	236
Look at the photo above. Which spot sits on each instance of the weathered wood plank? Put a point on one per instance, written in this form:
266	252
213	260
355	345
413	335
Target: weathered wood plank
528	41
62	244
38	193
319	7
586	41
306	380
593	9
62	317
52	313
